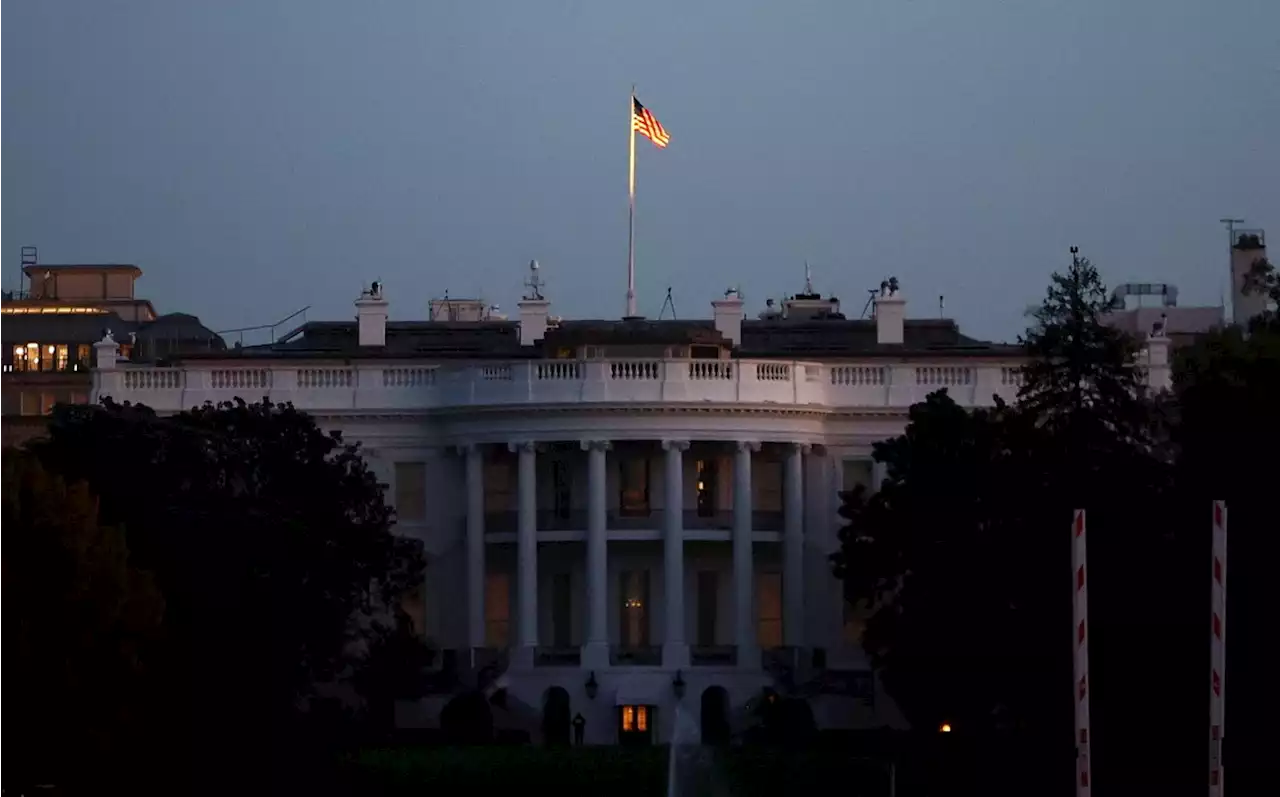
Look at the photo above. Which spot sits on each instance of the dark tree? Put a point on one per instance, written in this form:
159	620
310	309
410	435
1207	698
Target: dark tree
962	559
949	559
83	624
1080	378
271	542
1227	394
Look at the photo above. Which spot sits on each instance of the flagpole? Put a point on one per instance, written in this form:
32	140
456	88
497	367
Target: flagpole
631	196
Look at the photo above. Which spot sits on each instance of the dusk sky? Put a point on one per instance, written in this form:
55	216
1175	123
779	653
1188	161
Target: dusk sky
256	156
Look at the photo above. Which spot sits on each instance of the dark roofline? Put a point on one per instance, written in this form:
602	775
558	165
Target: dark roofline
89	267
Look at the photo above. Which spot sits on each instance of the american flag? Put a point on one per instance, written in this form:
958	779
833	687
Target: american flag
646	124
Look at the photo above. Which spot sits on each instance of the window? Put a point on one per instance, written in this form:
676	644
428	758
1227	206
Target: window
413	602
84	356
769	610
26	358
706	487
46	362
708	601
499	485
63	358
562	610
561	503
635	608
497	610
47	400
855	472
411	497
30	403
635	719
766	477
634	483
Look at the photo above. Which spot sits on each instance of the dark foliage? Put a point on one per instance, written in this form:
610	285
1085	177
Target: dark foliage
270	541
962	558
83	624
467	720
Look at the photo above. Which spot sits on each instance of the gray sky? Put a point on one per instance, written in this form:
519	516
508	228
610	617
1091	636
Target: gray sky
255	156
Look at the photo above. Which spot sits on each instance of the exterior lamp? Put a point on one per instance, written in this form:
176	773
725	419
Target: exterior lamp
944	728
592	687
678	685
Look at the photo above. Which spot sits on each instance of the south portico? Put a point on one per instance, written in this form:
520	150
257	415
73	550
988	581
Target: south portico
623	506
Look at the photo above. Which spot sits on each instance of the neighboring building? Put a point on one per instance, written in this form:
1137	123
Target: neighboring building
621	517
49	331
1182	324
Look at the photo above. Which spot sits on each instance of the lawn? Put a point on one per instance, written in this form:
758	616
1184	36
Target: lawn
616	771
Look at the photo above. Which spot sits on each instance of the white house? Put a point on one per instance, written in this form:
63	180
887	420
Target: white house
623	516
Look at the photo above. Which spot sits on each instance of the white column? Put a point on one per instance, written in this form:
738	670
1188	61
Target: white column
744	630
793	547
675	649
595	653
474	455
527	553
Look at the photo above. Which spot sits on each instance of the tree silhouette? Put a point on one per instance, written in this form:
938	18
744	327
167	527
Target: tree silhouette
271	542
84	624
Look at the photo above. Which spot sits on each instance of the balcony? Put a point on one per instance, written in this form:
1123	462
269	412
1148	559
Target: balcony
713	656
552	520
372	385
557	656
635	656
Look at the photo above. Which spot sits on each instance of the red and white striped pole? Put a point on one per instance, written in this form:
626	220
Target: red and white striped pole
1217	647
1081	669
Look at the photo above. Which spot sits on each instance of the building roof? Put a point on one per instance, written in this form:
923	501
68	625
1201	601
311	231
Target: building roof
775	338
71	268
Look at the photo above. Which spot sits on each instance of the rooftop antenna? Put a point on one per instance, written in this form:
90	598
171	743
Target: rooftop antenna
29	258
535	283
808	278
870	307
942	306
669	302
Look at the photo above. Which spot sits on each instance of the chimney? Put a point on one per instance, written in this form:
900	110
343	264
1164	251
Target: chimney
535	308
728	314
105	353
1159	376
371	313
1248	248
533	320
891	313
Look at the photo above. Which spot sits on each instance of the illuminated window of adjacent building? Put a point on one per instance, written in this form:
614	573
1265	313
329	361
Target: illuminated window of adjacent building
635	719
31	357
47	361
30	403
497	610
47	400
63	358
83	355
634	484
411	496
769	610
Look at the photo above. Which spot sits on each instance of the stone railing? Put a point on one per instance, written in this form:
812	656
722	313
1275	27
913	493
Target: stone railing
378	386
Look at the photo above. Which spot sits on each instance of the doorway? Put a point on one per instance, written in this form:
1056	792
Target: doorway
555	717
715	715
635	725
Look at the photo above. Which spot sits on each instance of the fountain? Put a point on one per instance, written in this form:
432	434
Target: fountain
690	764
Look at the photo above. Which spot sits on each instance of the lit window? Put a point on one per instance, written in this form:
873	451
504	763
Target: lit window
497	610
635	719
63	356
47	400
47	363
769	610
634	500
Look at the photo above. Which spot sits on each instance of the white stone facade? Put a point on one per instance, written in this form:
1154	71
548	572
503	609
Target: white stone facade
645	521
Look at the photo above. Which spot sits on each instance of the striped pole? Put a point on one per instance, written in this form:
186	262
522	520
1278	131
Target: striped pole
1080	681
1217	647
